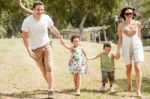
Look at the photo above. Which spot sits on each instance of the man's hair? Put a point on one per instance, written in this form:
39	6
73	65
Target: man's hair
106	45
38	2
74	36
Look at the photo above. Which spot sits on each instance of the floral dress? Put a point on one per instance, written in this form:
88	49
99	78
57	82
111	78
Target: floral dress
77	63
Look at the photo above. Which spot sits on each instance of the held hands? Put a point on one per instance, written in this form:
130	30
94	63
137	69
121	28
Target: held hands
117	55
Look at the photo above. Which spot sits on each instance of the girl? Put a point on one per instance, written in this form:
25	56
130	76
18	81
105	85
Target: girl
77	64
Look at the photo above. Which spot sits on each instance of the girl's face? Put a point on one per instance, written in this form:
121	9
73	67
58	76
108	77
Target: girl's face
107	50
76	42
128	14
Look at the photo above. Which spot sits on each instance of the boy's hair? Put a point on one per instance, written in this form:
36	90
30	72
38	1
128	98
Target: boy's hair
38	2
106	45
74	36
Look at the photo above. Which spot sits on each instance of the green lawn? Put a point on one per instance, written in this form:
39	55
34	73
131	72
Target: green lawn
21	78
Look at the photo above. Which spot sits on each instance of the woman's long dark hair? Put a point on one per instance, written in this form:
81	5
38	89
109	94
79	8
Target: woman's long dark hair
123	12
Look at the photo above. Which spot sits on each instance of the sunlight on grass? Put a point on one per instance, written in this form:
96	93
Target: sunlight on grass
20	76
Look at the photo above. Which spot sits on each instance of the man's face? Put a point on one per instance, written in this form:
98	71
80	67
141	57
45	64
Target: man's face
38	10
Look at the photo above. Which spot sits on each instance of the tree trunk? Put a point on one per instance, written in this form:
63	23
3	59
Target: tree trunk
81	26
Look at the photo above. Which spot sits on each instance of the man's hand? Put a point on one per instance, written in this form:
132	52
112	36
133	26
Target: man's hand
32	54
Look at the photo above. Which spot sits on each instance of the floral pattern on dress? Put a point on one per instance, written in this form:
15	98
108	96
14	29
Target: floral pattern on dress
77	62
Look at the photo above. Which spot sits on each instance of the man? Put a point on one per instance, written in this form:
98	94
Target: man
35	36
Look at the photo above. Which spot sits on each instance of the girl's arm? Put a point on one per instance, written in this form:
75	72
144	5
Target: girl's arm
84	53
97	56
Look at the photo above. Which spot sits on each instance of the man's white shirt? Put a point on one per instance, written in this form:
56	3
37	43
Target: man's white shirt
38	30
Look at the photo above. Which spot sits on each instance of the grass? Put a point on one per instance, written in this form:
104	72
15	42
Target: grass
21	78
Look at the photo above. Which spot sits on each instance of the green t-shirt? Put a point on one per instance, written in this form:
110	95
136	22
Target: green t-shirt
107	62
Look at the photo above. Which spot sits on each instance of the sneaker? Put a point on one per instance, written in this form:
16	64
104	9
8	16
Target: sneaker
139	95
102	89
111	90
50	93
78	92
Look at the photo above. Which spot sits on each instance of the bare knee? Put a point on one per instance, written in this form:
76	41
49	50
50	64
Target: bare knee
128	69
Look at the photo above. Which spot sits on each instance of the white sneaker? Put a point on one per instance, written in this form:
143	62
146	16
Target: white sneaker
78	92
111	90
102	88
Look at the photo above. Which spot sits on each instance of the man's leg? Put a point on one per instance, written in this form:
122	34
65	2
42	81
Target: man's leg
48	60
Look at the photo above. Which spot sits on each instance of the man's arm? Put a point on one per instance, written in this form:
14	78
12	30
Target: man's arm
56	32
25	37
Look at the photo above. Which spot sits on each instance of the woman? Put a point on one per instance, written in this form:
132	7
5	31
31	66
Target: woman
129	33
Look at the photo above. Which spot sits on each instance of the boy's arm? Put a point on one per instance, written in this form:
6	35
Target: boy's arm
116	56
97	56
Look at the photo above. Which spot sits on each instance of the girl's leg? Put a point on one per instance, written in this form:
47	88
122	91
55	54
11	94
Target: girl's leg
128	73
138	75
75	80
78	83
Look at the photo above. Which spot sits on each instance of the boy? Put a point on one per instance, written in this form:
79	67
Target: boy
107	66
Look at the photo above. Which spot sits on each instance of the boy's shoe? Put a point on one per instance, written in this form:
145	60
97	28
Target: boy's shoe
111	90
102	89
50	93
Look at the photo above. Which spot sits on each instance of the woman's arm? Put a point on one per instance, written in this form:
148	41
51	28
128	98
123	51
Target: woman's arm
116	56
139	29
119	38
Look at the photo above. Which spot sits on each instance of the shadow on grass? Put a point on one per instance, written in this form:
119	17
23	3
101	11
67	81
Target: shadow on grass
29	94
122	84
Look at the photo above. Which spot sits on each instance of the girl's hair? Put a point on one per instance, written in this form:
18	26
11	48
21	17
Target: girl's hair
74	36
106	45
124	10
37	2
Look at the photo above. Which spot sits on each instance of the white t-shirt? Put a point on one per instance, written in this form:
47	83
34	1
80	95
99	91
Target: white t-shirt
38	30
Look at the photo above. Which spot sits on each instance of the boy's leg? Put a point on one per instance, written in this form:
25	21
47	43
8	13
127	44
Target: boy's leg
104	80
111	78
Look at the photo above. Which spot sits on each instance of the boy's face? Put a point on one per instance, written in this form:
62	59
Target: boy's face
107	50
76	42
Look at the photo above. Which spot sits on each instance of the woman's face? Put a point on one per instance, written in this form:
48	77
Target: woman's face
128	14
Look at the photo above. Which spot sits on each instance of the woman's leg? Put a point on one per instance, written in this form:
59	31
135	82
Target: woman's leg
138	75
128	73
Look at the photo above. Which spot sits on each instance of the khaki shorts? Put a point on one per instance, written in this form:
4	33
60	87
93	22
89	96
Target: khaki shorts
44	57
108	76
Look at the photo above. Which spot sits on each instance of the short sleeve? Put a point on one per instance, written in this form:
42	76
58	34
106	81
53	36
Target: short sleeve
25	26
50	22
